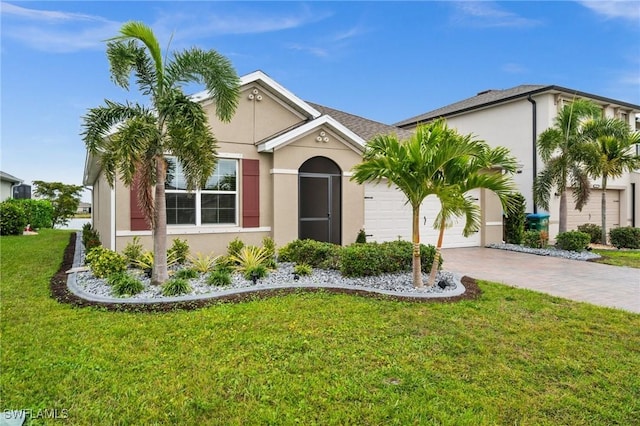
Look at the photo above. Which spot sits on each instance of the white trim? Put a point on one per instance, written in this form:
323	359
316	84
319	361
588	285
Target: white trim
270	84
283	172
230	155
347	174
193	230
112	220
493	224
290	136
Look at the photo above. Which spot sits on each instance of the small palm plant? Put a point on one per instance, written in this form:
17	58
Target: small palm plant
251	261
203	263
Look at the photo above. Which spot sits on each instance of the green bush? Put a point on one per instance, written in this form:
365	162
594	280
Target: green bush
625	237
179	251
90	237
234	247
515	220
186	274
260	271
302	269
315	253
534	239
368	259
203	263
123	284
12	219
250	260
572	240
224	264
219	278
133	251
39	213
269	247
361	238
176	287
104	262
594	231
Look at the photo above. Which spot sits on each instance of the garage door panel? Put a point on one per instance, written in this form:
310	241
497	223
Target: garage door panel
591	212
388	217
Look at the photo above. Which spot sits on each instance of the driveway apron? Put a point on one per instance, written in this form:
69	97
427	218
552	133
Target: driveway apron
596	283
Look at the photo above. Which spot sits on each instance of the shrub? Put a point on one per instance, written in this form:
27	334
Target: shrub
133	250
374	259
625	237
104	262
12	218
315	253
224	264
251	259
361	238
572	240
270	248
257	271
176	287
594	231
179	251
90	237
515	220
302	269
124	284
39	213
532	239
203	263
234	247
219	278
145	261
186	273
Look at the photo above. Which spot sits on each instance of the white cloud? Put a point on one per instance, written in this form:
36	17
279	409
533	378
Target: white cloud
488	14
612	9
314	50
513	68
45	15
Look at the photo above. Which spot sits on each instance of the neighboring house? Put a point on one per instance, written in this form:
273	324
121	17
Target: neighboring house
283	171
84	207
514	118
7	182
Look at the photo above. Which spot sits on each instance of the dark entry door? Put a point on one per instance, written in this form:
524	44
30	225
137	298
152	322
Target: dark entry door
319	208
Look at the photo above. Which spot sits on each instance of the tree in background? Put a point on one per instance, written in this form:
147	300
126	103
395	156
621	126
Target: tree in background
608	153
559	147
131	140
64	199
438	161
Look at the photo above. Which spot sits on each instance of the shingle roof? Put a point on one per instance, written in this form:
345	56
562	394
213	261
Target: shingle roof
490	97
362	127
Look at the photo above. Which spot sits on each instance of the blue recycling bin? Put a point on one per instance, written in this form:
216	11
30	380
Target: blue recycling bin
537	222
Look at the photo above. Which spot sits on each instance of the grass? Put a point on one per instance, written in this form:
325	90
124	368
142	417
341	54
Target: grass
630	258
511	357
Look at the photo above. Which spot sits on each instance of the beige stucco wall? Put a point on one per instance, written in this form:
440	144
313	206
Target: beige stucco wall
101	202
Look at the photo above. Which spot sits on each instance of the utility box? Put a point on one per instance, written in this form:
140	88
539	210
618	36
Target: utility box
22	192
537	222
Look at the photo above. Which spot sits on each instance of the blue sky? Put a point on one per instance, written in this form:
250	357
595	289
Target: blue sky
382	60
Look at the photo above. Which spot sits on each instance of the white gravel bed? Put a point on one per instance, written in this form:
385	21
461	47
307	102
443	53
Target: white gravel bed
549	251
397	283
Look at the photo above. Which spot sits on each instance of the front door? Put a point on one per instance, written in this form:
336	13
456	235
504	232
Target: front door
319	186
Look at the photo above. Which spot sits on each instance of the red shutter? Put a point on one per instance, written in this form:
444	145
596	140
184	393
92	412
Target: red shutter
138	221
250	193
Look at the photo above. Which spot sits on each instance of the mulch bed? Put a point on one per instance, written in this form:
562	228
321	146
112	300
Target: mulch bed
62	294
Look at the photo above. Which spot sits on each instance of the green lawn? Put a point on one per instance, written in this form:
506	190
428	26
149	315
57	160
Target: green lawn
511	357
630	258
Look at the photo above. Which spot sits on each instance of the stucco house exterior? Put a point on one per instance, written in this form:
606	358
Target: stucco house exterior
284	169
7	182
515	117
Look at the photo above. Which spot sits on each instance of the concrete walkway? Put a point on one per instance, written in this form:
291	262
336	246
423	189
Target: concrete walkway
604	285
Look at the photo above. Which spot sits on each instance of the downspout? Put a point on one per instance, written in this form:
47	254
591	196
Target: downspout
534	141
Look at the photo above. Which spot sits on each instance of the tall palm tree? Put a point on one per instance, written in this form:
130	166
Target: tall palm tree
131	140
436	160
559	147
609	153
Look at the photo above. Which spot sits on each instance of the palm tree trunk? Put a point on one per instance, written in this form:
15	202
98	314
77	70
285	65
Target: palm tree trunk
436	258
160	273
416	266
603	208
563	212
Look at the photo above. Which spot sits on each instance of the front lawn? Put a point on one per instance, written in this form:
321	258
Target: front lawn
510	357
630	258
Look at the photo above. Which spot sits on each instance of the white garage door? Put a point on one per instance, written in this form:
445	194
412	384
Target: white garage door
591	213
388	218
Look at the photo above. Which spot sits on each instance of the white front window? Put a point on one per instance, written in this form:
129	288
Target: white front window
216	203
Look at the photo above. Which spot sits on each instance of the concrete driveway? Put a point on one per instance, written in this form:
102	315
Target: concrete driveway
604	285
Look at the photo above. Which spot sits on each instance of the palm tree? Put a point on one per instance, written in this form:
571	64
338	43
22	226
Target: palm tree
559	147
436	161
131	140
608	154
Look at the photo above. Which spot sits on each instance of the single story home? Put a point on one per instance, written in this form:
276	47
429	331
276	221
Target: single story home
7	183
515	117
284	169
83	207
